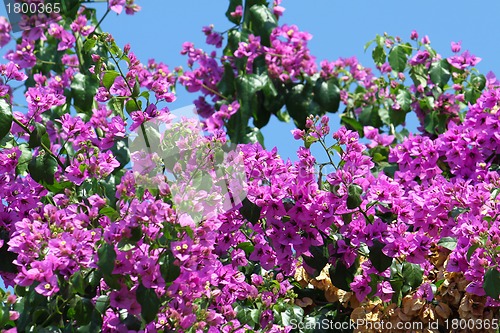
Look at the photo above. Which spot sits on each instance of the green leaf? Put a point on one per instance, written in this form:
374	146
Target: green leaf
471	250
378	55
378	259
403	98
397	285
300	104
246	89
491	283
36	135
318	260
246	246
440	72
149	301
6	264
42	168
132	106
352	124
263	22
398	58
370	117
412	274
109	212
430	122
109	78
115	104
89	44
84	309
283	116
341	276
384	116
168	269
254	135
226	84
232	7
107	257
5	118
121	153
309	140
327	94
354	196
83	90
247	316
293	314
449	243
77	283
250	211
478	81
24	159
102	303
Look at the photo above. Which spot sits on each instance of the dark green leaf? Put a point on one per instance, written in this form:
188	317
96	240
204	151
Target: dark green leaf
246	316
378	55
77	283
293	314
107	257
397	285
246	88
352	124
300	104
412	274
378	259
398	58
327	94
449	243
250	211
341	276
384	116
83	90
354	196
440	72
5	118
84	309
36	135
478	81
226	84
232	7
121	153
169	270
370	117
149	301
471	250
24	159
491	283
42	168
262	22
318	260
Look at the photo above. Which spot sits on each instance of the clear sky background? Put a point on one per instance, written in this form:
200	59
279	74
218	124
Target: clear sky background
339	29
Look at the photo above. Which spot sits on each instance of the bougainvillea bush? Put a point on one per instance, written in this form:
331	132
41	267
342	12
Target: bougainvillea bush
116	217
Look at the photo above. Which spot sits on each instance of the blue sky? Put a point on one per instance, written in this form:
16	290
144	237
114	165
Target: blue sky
339	29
